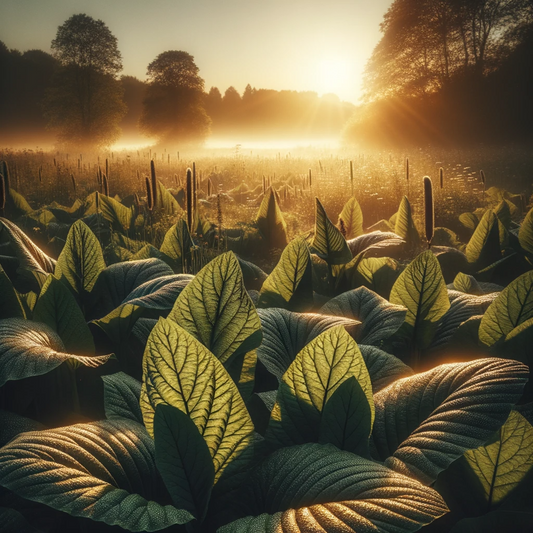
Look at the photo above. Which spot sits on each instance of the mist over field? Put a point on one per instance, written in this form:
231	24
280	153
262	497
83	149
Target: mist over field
266	267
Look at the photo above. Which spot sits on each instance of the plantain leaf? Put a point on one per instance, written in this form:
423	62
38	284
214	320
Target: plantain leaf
81	261
117	281
270	221
319	488
104	471
32	349
121	397
177	245
27	253
328	243
57	308
309	384
118	325
352	217
380	319
405	227
525	235
501	465
290	284
383	368
377	274
179	371
427	421
467	284
286	333
159	295
421	289
120	217
512	307
483	248
10	304
183	459
346	420
216	309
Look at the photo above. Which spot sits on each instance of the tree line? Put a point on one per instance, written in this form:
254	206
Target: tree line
450	71
76	96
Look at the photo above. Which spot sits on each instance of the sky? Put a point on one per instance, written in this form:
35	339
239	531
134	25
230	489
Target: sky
302	45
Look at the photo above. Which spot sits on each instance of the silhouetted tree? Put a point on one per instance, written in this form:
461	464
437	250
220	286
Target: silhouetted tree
25	77
84	105
173	104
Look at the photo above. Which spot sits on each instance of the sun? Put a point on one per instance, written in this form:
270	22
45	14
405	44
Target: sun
333	75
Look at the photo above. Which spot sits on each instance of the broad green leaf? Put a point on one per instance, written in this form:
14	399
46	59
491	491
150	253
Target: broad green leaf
183	460
270	221
380	319
377	274
179	371
469	220
81	261
28	254
309	384
159	295
32	349
462	308
525	235
104	471
118	325
57	308
10	304
483	248
120	217
422	290
352	217
512	307
318	488
501	465
467	284
426	421
12	425
328	243
253	276
116	282
18	204
121	397
177	245
147	252
346	420
216	309
166	203
374	241
286	333
383	368
290	284
405	227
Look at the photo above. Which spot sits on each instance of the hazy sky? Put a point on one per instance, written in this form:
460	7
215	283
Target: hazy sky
317	45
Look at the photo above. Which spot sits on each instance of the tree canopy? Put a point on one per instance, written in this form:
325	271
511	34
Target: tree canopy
173	104
84	104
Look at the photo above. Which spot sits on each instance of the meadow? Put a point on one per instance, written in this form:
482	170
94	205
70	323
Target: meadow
266	341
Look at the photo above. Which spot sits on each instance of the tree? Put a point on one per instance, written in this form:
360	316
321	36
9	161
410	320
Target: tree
84	105
173	104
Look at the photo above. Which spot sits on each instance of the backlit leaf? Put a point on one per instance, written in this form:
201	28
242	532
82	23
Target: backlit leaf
216	309
104	471
32	349
427	421
290	284
179	371
328	243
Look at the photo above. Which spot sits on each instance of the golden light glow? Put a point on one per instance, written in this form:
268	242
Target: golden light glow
333	75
